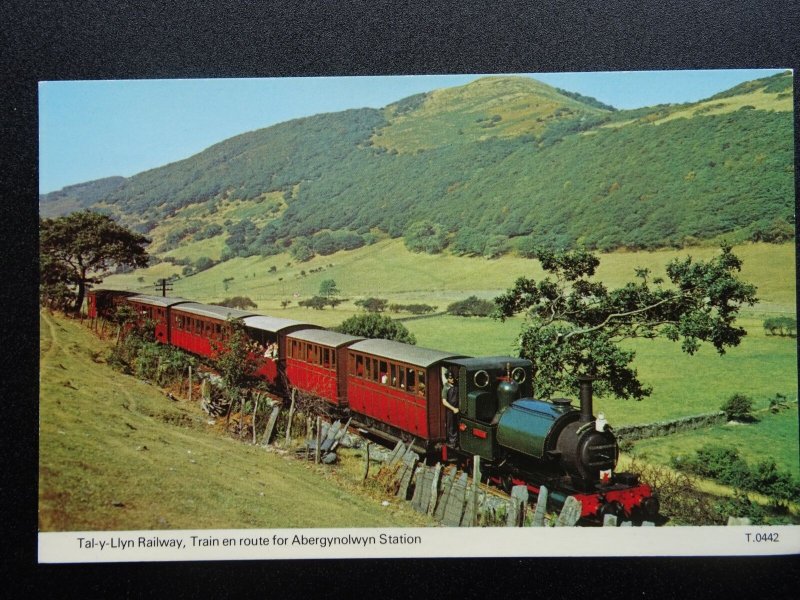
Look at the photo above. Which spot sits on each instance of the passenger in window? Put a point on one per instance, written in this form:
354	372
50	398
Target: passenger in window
450	401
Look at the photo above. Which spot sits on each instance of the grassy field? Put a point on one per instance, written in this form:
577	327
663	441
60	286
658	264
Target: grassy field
116	454
682	385
388	270
778	433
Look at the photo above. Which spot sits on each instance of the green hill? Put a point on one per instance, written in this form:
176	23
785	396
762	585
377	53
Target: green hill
498	164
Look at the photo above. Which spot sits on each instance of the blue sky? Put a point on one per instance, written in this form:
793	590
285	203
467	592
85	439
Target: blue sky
94	129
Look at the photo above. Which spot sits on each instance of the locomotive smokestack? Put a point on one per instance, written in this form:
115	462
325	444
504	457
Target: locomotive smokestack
586	398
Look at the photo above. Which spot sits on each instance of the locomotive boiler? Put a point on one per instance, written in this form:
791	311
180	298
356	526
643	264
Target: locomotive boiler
525	441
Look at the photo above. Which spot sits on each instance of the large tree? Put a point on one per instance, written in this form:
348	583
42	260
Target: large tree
78	250
574	325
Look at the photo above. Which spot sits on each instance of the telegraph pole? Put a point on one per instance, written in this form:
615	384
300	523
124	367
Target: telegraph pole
164	285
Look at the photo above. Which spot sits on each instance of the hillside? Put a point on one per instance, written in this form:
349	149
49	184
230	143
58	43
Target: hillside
498	164
116	454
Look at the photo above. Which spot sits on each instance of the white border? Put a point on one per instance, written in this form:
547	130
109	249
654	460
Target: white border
264	544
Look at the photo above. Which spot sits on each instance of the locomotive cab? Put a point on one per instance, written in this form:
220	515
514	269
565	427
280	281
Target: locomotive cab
487	387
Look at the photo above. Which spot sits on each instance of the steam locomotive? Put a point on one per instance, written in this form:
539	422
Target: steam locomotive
394	390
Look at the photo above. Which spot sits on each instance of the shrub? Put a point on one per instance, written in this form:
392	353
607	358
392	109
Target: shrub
782	326
414	309
203	263
738	408
778	485
741	506
471	307
317	303
719	463
241	302
680	499
377	326
726	466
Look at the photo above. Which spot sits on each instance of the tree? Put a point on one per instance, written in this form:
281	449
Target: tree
234	360
425	236
55	284
574	325
241	302
78	249
373	325
317	303
328	289
301	250
471	307
372	305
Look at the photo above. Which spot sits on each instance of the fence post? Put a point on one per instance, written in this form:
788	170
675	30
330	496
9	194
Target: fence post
291	414
319	436
255	412
476	478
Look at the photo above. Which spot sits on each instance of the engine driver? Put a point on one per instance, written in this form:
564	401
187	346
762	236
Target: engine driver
450	401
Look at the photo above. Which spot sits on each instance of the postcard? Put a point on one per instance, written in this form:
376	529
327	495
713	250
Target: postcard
468	315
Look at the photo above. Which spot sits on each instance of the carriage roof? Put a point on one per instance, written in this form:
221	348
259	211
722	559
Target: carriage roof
397	351
212	311
324	337
275	324
156	300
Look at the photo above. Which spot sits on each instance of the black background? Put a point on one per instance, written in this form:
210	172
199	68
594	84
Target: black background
161	39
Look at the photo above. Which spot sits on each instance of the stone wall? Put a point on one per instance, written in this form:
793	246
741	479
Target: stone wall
662	428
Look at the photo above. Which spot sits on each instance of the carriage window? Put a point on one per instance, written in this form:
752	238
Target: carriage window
326	358
384	372
393	375
333	359
421	379
368	374
410	379
402	372
360	365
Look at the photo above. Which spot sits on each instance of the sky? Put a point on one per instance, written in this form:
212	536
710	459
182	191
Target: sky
94	129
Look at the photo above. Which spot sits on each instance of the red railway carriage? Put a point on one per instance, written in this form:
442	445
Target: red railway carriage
399	385
198	327
156	308
102	303
316	362
269	333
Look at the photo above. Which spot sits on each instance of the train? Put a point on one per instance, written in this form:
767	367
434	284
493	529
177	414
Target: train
394	392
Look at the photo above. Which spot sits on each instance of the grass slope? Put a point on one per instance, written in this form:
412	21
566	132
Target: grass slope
116	454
